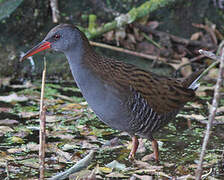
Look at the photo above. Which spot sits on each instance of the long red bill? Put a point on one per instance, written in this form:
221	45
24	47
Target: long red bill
40	47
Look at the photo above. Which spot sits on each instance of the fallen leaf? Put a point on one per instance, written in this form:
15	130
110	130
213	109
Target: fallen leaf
32	162
113	142
141	146
16	139
62	155
192	116
28	84
116	175
8	122
32	146
69	147
187	177
153	24
15	150
51	119
72	107
143	177
83	175
186	70
5	129
105	170
109	36
5	109
196	105
116	165
5	81
13	98
120	34
196	36
220	109
29	115
145	165
219	118
213	73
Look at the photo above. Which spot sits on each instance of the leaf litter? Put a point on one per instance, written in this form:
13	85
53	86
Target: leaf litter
73	130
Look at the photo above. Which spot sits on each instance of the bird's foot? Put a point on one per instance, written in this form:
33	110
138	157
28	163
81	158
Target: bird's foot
131	157
150	157
133	148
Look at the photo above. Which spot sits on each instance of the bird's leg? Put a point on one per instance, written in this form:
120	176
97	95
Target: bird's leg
134	147
155	150
155	154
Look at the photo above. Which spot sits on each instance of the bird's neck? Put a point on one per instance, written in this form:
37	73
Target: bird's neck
82	56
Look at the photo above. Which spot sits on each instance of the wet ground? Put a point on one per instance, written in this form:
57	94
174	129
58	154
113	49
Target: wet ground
73	130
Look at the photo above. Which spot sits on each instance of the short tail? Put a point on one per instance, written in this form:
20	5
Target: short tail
191	82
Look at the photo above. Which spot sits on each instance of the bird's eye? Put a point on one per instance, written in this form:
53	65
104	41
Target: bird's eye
57	36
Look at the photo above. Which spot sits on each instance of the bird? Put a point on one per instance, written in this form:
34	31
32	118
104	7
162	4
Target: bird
122	95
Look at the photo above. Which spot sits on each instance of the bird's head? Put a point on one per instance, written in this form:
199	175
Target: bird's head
60	38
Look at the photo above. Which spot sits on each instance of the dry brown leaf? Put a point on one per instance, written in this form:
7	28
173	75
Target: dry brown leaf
196	36
153	24
29	115
196	105
143	177
116	175
109	36
8	122
145	165
5	109
186	70
220	109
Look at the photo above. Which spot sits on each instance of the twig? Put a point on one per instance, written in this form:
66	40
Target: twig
215	122
212	56
175	38
212	114
42	126
7	170
77	167
55	11
209	54
147	56
151	41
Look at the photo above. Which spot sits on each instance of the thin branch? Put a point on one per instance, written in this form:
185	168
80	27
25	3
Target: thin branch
7	170
209	54
147	56
212	56
77	167
42	132
135	13
212	114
